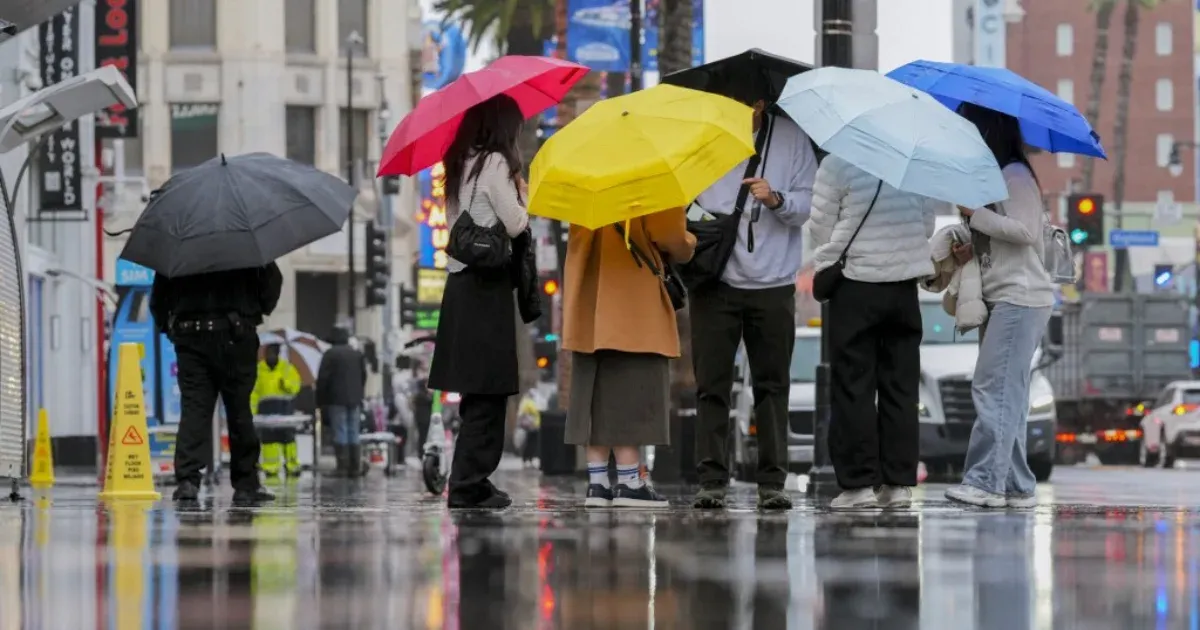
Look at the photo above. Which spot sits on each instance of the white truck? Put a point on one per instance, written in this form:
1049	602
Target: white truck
946	410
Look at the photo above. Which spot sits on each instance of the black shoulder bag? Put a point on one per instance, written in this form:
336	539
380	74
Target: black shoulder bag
826	281
477	246
715	239
671	282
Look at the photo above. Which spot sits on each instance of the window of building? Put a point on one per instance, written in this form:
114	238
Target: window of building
1065	160
361	126
352	18
1163	39
1163	147
1066	90
1164	95
193	24
302	134
1064	40
194	134
300	24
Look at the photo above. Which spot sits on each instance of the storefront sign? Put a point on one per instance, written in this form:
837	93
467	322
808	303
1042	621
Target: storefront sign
117	45
434	232
431	283
59	160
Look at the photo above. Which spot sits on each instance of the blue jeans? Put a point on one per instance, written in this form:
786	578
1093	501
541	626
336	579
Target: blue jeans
996	460
345	422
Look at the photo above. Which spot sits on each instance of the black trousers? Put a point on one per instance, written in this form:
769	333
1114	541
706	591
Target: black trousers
479	446
765	320
212	364
875	348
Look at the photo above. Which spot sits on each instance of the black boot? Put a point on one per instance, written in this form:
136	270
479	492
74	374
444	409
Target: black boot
339	452
354	462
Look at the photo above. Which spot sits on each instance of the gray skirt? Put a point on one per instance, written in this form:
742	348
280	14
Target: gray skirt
619	399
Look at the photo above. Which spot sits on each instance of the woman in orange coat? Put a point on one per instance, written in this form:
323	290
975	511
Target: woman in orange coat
619	324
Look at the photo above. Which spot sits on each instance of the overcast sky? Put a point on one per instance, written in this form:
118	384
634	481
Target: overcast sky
908	29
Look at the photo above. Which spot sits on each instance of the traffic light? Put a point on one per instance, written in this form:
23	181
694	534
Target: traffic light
408	306
1085	219
546	355
543	328
378	272
1164	276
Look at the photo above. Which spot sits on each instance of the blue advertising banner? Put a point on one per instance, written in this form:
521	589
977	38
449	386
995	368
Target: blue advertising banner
598	34
132	323
433	234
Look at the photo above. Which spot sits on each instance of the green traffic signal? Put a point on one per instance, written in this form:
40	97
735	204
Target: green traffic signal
1078	236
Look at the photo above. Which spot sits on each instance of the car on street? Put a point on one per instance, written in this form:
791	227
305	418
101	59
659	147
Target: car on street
1171	429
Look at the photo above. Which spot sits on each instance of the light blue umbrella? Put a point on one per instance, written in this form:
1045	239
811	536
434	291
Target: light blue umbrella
896	133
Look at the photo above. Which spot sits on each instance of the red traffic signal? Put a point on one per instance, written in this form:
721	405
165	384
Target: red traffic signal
550	286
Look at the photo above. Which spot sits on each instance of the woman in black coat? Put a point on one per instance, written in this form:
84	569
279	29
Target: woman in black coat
476	349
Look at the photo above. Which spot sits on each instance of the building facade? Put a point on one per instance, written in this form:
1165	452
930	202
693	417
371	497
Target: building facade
1054	45
232	77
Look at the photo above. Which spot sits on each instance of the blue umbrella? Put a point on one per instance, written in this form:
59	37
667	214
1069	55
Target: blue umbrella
896	133
1047	122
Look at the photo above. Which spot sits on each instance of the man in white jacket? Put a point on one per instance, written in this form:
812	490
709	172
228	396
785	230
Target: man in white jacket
754	302
874	328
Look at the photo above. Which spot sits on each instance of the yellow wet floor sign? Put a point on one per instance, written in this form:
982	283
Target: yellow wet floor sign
41	474
128	474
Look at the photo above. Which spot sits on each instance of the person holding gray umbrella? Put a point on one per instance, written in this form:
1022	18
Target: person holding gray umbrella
212	234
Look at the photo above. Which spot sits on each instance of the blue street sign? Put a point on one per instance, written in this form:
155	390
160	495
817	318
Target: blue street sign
1121	239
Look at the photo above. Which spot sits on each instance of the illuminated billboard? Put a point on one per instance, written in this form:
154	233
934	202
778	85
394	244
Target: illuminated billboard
433	233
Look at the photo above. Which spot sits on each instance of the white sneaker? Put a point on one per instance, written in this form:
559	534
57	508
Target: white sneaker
854	499
974	496
894	496
1021	501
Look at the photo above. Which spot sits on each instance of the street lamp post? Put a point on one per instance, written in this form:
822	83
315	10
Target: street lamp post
353	41
837	49
27	122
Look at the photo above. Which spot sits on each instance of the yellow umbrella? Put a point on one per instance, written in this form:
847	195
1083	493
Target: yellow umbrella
639	154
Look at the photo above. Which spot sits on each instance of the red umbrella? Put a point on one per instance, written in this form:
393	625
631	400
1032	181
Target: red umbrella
421	140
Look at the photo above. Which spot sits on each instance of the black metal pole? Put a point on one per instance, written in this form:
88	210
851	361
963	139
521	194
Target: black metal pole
351	294
837	49
635	45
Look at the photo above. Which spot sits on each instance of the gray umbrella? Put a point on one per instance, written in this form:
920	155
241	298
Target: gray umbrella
238	213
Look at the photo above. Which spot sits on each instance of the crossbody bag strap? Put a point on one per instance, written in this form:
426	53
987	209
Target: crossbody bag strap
639	256
842	258
769	127
760	142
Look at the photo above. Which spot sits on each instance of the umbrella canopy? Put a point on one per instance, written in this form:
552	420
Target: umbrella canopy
1047	121
757	68
425	134
638	154
896	133
237	213
301	349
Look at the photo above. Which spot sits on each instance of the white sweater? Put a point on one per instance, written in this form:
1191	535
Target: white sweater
490	200
894	242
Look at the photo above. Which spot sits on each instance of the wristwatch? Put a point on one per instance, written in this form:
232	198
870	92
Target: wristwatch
779	196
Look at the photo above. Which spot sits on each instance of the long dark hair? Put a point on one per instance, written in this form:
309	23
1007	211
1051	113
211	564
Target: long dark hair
1001	132
492	126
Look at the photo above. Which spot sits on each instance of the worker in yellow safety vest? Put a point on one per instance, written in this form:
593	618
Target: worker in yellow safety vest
277	385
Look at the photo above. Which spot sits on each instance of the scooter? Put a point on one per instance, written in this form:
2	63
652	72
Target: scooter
439	446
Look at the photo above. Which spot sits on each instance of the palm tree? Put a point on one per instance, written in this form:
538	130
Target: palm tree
1122	277
1104	11
519	27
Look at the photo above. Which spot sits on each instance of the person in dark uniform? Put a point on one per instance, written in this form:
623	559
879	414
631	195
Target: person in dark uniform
211	318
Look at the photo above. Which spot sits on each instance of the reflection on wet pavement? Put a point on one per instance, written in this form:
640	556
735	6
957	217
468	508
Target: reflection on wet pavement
380	554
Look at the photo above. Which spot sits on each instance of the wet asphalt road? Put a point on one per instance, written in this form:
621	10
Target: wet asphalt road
1107	548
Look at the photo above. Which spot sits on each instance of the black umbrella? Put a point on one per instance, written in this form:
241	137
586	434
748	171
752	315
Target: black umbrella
238	213
754	69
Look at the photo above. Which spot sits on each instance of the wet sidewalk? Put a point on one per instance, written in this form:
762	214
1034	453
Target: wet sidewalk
1109	548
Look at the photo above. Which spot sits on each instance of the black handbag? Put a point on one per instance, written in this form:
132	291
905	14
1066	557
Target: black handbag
667	275
826	281
477	246
523	269
716	238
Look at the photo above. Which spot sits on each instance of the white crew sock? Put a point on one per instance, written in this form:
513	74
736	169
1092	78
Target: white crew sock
629	476
598	473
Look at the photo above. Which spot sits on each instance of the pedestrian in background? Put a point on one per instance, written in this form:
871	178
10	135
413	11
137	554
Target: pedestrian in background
274	393
211	319
754	302
619	324
1006	240
475	353
341	387
881	236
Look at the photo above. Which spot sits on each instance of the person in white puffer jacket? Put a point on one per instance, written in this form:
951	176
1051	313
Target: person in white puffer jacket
874	328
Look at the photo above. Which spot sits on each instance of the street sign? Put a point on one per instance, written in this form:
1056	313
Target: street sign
1121	239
